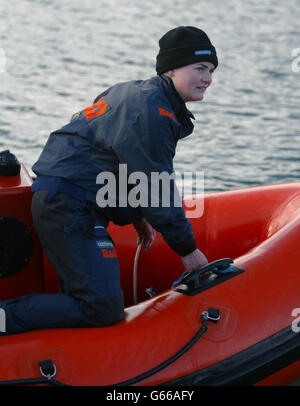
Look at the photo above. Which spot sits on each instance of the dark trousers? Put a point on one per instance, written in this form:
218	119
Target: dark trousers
83	254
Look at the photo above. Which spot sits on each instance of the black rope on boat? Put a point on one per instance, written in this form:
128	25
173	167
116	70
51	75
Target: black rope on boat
31	381
206	315
48	369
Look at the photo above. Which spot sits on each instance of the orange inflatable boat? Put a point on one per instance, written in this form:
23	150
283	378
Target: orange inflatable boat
235	322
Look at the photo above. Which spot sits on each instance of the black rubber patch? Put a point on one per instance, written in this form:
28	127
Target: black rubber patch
15	246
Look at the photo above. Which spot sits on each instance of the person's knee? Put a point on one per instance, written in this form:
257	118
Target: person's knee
104	311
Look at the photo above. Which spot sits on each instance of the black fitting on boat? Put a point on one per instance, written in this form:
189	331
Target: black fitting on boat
9	165
47	368
151	291
212	314
207	276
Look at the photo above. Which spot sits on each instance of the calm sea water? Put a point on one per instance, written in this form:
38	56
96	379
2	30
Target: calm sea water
59	55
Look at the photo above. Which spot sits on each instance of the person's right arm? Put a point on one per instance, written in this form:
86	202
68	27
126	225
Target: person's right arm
194	260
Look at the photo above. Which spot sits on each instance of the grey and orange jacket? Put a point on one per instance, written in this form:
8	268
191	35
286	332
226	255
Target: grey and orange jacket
137	123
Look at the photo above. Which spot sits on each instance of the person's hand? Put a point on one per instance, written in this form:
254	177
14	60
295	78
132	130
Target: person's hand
146	233
194	260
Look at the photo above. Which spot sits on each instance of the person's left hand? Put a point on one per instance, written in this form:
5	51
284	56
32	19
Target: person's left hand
146	233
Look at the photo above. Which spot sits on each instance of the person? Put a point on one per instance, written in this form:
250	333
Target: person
137	123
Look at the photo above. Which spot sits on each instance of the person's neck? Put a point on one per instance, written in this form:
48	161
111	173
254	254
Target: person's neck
169	76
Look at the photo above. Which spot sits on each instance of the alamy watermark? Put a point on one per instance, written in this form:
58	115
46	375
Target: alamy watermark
157	189
2	61
2	321
296	61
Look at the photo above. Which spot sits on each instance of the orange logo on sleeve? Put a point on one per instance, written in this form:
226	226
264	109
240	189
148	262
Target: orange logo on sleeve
109	253
96	109
164	112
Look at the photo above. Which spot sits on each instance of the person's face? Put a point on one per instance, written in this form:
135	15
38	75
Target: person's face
191	81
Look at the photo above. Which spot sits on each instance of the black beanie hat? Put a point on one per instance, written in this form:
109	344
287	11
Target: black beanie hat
183	46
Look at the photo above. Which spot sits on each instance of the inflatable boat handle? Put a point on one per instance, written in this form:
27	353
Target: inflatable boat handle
192	279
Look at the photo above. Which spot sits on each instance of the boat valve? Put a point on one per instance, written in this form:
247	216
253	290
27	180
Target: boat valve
47	369
212	314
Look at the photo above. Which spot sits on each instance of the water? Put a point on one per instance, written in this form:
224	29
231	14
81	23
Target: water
60	55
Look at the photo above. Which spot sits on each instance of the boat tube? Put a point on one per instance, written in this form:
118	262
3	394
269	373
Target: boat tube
234	322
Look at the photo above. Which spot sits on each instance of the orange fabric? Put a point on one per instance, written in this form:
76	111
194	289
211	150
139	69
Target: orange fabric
95	109
164	112
109	253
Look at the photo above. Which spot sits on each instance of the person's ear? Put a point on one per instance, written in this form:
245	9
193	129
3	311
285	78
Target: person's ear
171	73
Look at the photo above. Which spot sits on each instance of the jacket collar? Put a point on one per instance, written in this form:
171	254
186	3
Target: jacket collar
175	99
182	113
